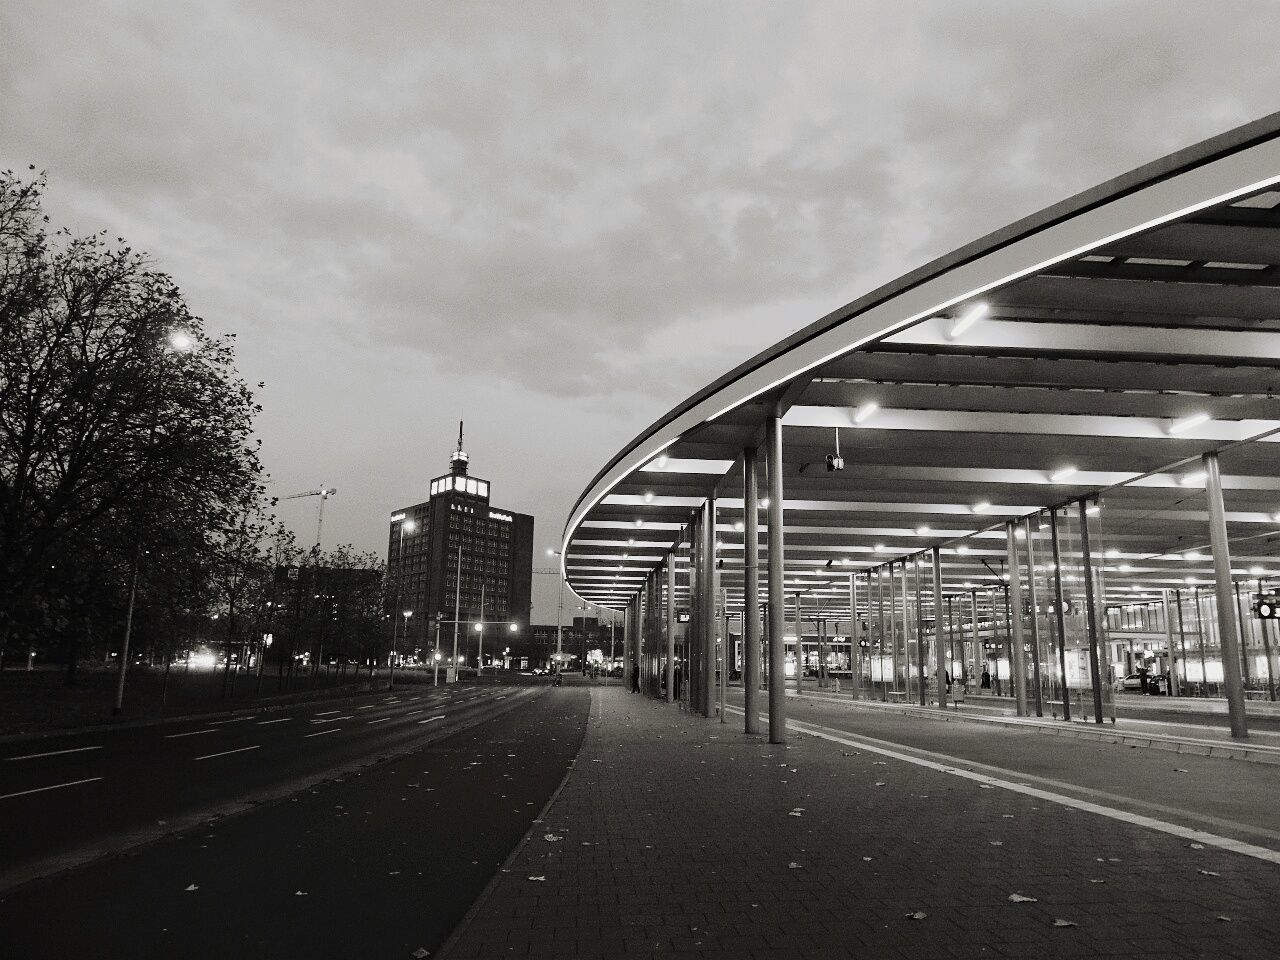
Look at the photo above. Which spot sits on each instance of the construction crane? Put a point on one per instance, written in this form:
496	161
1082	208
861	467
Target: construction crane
324	493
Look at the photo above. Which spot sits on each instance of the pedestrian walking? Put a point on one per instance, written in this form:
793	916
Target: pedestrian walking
635	677
986	679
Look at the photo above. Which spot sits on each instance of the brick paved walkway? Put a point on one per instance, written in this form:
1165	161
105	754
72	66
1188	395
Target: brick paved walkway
678	837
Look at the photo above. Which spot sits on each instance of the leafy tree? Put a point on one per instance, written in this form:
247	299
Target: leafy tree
125	429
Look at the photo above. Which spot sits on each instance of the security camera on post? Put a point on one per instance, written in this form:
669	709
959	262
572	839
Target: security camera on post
834	460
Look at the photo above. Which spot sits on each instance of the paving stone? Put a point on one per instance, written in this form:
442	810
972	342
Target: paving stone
691	846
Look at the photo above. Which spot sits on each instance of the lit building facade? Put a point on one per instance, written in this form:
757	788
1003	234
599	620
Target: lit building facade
456	551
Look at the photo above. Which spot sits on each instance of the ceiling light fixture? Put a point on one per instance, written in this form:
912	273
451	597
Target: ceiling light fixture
1193	479
1061	474
982	506
648	496
1189	423
969	318
865	411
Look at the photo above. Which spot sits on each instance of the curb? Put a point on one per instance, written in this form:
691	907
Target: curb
1173	744
464	924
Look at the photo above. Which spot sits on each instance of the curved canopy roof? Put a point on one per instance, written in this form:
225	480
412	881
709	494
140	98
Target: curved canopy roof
1089	348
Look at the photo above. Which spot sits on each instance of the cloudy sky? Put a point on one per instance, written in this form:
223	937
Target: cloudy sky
558	219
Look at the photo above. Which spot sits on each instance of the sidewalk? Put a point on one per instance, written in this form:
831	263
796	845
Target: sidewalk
677	836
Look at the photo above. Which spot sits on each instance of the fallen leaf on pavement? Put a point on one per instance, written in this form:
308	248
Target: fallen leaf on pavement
794	866
192	888
1207	873
1019	898
918	915
420	953
538	878
1063	923
552	838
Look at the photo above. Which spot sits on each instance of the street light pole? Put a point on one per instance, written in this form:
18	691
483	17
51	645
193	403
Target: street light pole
457	606
391	677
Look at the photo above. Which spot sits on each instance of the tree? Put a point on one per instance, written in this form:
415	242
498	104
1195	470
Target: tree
123	425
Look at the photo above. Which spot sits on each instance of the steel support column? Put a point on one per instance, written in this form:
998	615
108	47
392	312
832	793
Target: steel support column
1227	625
777	613
671	626
751	593
1034	601
1060	618
938	637
1017	653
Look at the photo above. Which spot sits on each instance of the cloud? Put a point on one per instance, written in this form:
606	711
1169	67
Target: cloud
570	216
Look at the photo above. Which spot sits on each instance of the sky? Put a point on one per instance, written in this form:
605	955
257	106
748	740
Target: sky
556	220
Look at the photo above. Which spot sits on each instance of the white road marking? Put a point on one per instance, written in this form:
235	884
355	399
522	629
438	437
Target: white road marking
56	786
210	756
233	719
263	723
54	753
367	706
380	720
321	733
411	699
190	733
1124	816
429	719
413	712
325	713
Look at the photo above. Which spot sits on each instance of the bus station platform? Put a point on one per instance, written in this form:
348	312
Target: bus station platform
870	834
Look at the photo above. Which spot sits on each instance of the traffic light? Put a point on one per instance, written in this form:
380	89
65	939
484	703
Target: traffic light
1266	606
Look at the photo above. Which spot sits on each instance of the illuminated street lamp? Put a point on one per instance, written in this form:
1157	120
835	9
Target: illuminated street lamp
177	341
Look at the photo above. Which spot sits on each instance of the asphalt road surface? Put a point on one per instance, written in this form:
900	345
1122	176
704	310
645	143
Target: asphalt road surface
332	853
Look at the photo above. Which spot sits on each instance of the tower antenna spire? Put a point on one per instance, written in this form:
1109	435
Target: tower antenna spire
459	436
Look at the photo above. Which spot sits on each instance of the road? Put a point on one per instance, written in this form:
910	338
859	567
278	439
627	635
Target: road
332	853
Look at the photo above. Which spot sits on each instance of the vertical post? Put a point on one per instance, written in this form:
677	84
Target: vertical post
1059	612
1266	649
1090	613
1204	663
751	593
1227	625
921	653
939	642
452	674
893	625
906	632
978	665
855	638
777	653
708	598
671	625
799	646
1168	640
1035	616
1017	655
693	634
884	687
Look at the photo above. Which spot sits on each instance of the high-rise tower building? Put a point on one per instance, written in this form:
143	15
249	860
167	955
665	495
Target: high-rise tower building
451	551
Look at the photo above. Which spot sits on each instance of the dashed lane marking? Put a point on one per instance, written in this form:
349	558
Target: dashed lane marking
189	733
380	720
429	719
263	723
321	733
56	786
325	713
54	753
224	753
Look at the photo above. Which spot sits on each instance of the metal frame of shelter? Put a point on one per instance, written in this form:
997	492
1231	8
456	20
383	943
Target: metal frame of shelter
1067	421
